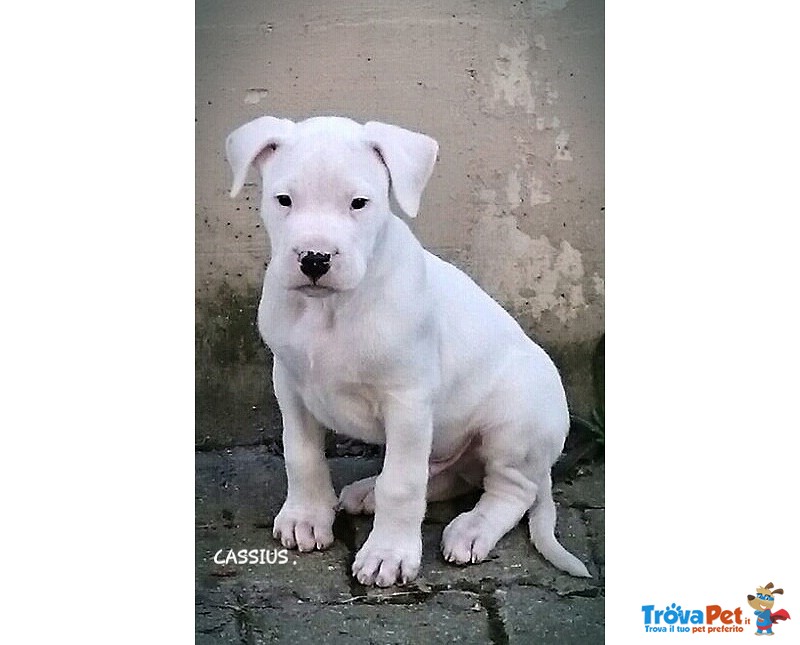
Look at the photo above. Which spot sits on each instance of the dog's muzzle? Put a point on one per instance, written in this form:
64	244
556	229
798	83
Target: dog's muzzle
315	265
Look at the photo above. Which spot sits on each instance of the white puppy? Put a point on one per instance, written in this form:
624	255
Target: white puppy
377	338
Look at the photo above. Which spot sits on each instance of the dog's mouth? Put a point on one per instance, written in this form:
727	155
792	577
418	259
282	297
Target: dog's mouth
315	290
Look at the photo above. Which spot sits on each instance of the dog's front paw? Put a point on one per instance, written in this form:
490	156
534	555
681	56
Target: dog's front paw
304	527
467	539
387	562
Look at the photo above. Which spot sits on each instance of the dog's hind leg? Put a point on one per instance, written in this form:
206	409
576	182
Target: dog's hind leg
508	493
447	485
512	486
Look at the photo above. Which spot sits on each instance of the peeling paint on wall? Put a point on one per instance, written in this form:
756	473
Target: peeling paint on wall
511	83
535	274
255	95
539	194
514	188
562	147
550	94
599	284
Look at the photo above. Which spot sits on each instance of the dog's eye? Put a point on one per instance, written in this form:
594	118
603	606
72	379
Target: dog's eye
358	203
284	200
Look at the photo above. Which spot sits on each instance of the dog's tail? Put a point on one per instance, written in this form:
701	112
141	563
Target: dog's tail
542	524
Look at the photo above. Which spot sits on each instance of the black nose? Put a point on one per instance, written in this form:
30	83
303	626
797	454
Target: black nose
315	265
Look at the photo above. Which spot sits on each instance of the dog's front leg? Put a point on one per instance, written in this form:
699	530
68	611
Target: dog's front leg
306	519
393	550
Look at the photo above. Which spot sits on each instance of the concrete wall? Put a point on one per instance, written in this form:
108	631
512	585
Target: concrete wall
513	92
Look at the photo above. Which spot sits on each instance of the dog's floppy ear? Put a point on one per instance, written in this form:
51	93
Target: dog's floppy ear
245	143
409	158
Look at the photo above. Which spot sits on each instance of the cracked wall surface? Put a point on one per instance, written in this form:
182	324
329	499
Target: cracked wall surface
513	92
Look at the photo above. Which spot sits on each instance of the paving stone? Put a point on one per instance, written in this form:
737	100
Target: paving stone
596	520
263	617
585	490
532	615
238	486
213	621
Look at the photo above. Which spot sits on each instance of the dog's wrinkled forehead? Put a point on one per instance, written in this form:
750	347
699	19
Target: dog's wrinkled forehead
325	158
328	139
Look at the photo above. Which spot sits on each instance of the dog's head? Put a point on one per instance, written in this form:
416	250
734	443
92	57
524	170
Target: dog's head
764	598
329	188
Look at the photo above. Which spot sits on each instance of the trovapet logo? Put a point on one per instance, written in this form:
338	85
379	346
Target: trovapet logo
674	618
716	618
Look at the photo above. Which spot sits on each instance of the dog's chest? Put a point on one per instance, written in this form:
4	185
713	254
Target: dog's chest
350	409
338	396
333	368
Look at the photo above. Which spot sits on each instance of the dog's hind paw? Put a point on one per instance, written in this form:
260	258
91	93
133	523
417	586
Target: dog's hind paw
359	497
467	539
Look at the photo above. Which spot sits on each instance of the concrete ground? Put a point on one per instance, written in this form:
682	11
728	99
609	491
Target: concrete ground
287	597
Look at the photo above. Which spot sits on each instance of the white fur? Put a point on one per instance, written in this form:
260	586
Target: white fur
393	345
